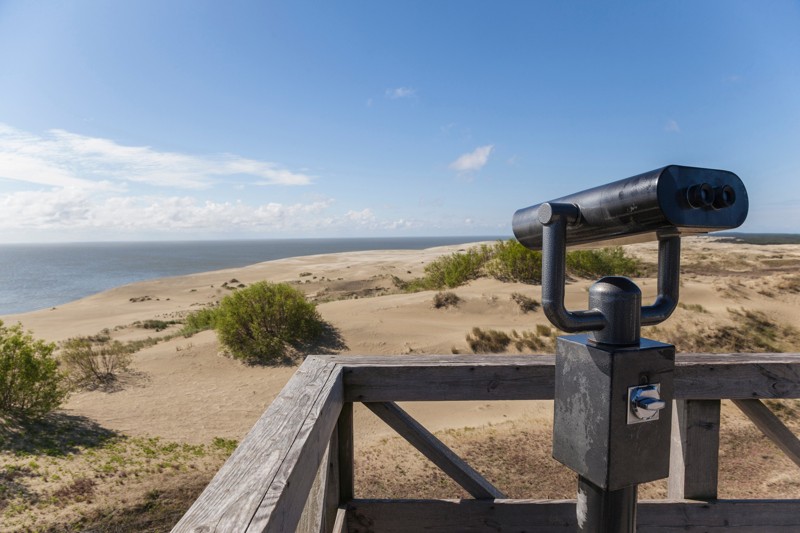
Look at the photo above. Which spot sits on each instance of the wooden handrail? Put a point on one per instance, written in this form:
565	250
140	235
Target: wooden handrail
304	441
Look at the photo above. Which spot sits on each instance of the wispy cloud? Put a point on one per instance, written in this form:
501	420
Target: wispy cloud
74	210
672	126
400	92
63	159
474	160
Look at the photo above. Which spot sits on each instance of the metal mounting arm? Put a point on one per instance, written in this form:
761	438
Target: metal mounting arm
555	218
669	273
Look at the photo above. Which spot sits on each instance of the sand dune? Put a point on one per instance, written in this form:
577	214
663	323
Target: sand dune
183	389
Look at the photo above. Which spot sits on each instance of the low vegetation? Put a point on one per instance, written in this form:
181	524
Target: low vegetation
200	320
603	262
446	299
263	322
31	384
91	365
158	325
746	331
542	338
511	262
66	473
488	341
526	303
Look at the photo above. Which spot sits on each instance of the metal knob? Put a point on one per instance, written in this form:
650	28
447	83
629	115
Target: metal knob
645	403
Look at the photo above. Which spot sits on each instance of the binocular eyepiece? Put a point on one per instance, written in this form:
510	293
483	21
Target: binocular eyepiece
691	200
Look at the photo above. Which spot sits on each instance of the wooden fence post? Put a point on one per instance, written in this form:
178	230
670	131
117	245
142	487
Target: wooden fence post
694	454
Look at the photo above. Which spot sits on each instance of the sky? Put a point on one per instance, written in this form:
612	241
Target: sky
173	120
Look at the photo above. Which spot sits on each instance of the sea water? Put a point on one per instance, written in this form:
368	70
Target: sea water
38	276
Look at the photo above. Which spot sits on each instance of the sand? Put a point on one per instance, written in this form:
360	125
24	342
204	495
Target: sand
185	390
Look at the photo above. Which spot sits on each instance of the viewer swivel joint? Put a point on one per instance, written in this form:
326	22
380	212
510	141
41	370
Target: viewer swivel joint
613	389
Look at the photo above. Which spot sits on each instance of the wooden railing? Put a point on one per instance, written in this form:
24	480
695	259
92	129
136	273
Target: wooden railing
294	470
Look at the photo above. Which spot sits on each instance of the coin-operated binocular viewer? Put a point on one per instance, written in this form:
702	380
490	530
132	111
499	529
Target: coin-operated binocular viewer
613	389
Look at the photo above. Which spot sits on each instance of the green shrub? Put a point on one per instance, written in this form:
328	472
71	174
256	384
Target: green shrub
94	365
200	320
511	261
603	262
455	269
445	299
258	323
30	382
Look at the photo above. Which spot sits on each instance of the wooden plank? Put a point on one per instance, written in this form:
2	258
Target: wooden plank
332	498
530	377
481	516
435	450
312	519
694	454
345	435
294	429
771	426
340	526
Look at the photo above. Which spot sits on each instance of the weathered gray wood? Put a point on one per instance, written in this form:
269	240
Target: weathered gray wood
312	520
332	498
435	450
340	526
411	378
481	516
530	377
263	486
771	426
345	435
694	454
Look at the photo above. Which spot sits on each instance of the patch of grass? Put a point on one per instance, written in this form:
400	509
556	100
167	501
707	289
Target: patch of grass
488	341
750	331
790	284
510	261
136	477
158	325
693	307
200	320
525	303
225	445
528	340
446	299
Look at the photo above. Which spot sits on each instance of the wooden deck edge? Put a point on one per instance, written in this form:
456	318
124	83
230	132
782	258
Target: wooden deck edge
547	516
531	377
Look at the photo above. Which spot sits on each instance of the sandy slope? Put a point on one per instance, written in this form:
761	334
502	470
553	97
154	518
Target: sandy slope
184	390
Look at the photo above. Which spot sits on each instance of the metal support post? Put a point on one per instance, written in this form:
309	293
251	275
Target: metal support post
610	425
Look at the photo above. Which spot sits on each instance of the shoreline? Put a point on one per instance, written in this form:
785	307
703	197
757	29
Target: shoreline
38	277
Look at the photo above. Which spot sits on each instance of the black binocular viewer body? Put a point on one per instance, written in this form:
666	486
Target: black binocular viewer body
693	200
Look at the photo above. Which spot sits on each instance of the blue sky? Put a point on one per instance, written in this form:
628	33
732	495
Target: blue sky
201	120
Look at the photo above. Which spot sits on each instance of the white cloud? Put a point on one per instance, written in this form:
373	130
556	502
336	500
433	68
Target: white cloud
672	126
63	159
400	92
80	210
474	160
